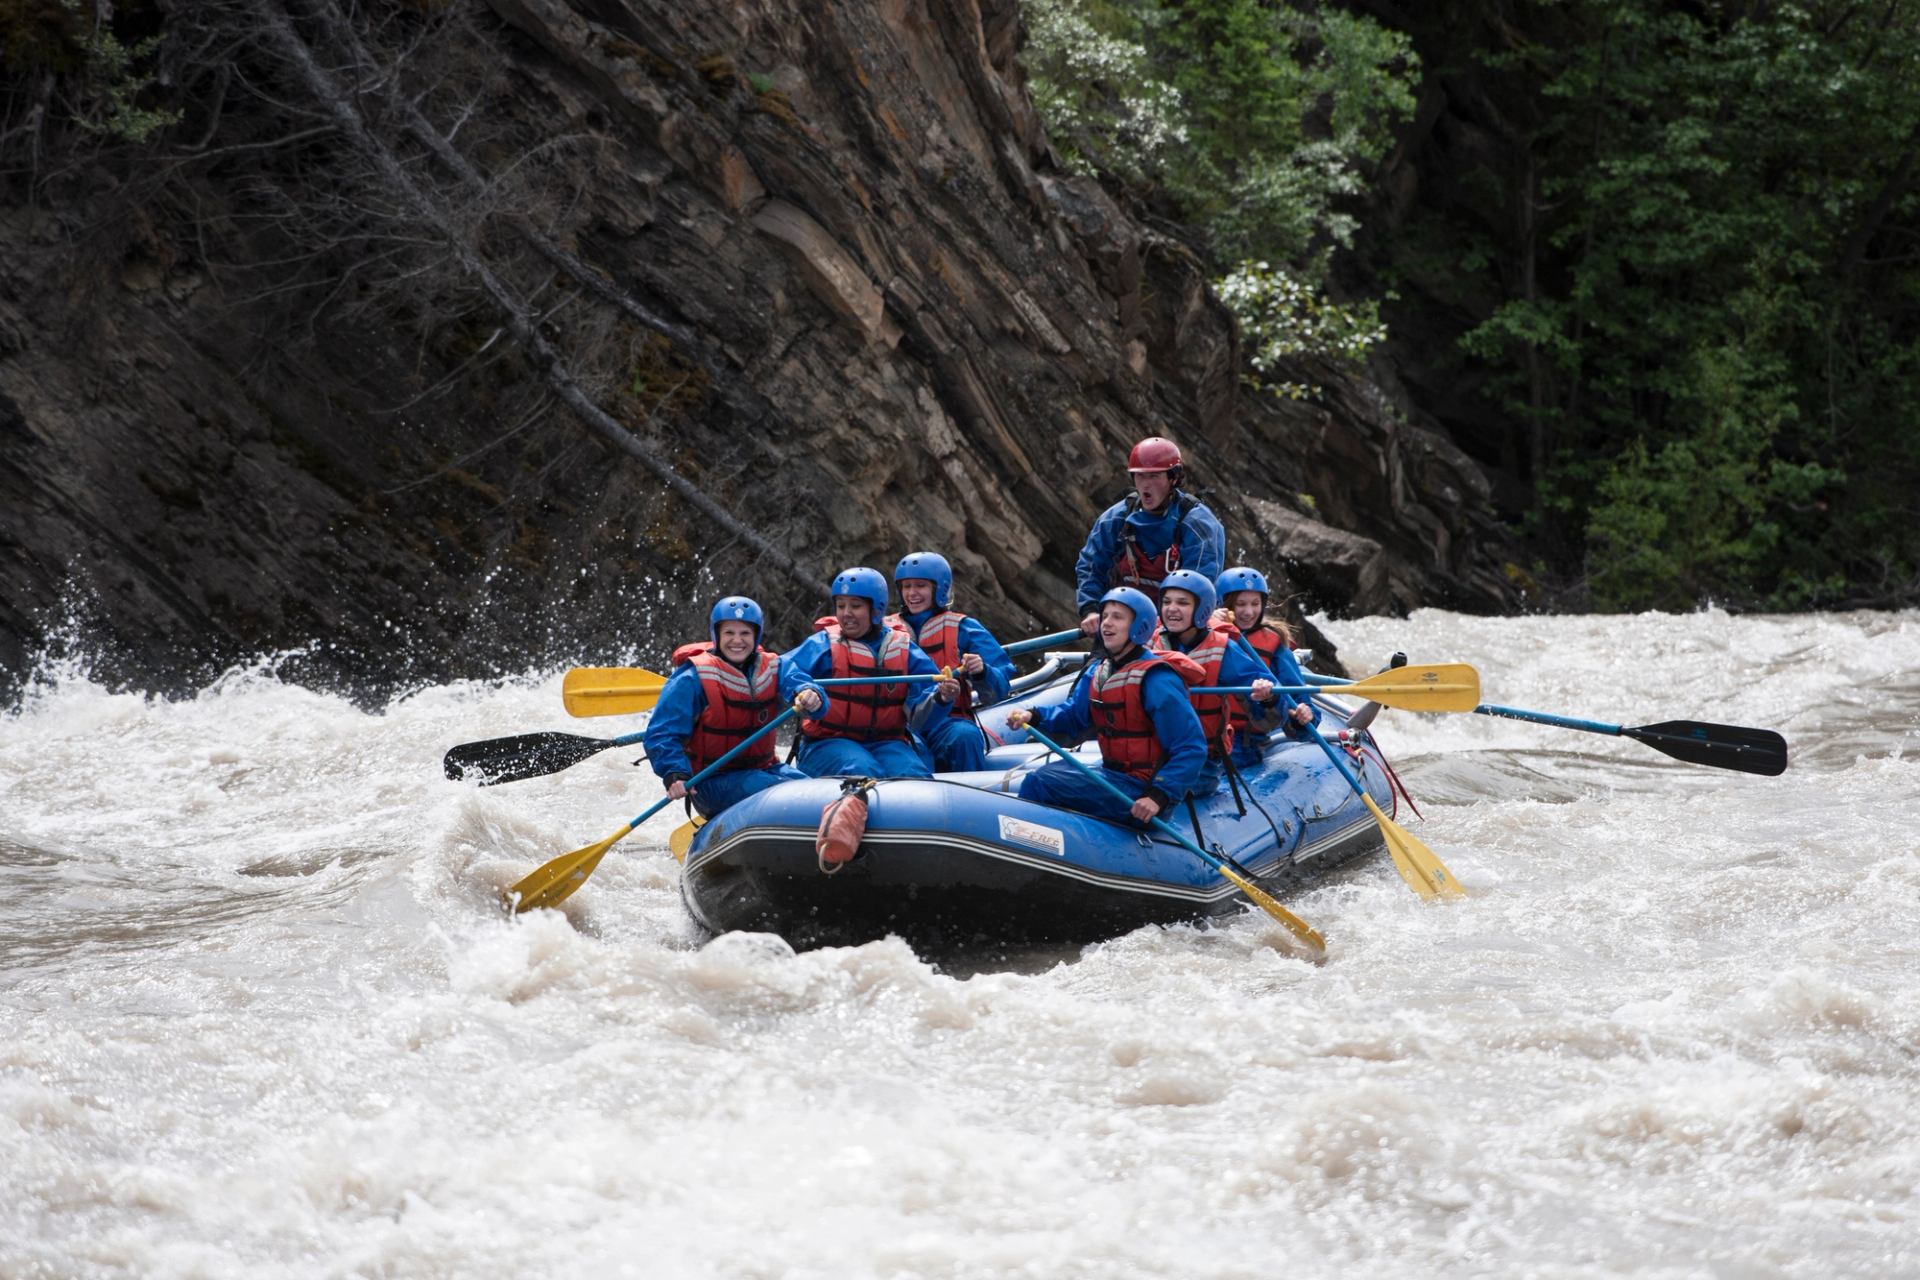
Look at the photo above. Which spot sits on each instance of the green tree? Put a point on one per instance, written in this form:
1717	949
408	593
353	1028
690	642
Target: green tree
1704	312
1254	121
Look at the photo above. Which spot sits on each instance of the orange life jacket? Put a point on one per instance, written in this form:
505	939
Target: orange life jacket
738	702
1128	743
939	639
1213	708
865	712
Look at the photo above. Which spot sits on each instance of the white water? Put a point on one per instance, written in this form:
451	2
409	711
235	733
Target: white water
257	1016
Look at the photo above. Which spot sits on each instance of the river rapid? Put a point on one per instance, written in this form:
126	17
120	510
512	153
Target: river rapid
259	1015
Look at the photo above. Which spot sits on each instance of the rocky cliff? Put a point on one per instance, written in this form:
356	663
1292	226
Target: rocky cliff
513	332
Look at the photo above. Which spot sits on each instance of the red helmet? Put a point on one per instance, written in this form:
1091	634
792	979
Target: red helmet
1155	453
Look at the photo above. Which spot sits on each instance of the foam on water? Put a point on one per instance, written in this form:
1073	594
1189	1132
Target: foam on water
258	1015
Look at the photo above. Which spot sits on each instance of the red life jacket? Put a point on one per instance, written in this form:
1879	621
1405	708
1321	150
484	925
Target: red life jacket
1128	743
865	712
939	639
1133	567
1213	708
738	702
1266	642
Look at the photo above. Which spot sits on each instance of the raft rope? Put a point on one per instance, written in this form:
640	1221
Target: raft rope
1364	744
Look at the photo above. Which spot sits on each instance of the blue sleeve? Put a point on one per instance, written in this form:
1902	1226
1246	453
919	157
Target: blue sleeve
811	657
1067	722
681	702
1242	666
919	664
1288	669
1203	543
793	680
1164	694
1094	570
992	684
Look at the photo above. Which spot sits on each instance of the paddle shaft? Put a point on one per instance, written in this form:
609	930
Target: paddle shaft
1300	929
721	763
1041	642
1286	693
528	755
1158	824
922	678
1418	865
1510	713
1719	746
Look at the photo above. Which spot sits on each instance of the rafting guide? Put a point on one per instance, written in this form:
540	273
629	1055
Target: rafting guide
1140	539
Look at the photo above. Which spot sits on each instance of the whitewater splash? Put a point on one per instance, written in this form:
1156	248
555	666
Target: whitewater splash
259	1015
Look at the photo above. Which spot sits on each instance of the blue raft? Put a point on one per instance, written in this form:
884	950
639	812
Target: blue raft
961	862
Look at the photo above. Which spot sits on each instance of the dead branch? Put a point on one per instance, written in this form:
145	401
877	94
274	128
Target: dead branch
339	104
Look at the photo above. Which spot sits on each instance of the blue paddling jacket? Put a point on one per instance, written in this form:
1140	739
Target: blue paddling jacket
1164	696
682	700
814	657
995	679
1126	529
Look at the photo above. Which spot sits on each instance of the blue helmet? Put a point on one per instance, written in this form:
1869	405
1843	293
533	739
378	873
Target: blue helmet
1146	619
735	609
865	583
1195	585
1240	578
932	566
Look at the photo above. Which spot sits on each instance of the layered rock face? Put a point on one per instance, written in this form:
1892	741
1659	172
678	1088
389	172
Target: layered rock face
823	271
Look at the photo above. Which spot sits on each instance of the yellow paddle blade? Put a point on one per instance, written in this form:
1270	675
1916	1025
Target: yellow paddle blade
1446	686
1308	936
1418	865
682	838
551	883
610	691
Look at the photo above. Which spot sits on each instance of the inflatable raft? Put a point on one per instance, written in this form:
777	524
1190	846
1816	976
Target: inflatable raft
959	861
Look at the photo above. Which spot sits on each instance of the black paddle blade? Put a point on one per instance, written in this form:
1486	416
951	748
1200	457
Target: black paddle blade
1724	746
531	755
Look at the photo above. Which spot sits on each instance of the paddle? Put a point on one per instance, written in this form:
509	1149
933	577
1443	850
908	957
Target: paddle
1242	879
1721	746
529	755
1041	642
923	678
680	843
551	882
1451	686
1418	865
614	691
610	691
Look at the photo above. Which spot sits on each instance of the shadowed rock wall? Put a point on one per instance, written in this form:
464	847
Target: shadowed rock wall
889	323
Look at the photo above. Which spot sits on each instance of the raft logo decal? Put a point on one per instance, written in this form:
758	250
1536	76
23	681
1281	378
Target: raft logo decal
1033	835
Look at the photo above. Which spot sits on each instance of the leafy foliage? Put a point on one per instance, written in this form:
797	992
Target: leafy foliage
104	77
1707	326
1255	121
1285	317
